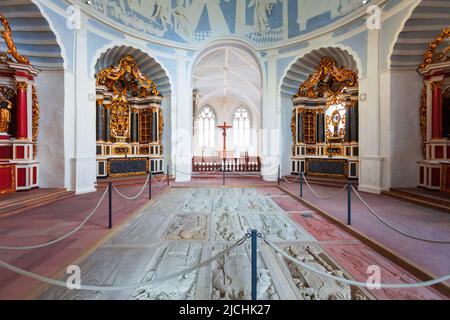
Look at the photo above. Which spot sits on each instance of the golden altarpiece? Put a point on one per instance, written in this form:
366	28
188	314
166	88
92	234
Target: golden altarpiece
325	123
129	121
19	118
434	170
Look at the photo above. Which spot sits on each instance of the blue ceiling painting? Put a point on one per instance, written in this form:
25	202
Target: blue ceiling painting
262	22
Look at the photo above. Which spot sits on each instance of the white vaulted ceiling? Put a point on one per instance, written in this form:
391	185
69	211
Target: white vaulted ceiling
306	65
31	33
147	64
228	72
425	23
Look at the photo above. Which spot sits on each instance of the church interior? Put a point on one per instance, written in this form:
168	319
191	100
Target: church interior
225	150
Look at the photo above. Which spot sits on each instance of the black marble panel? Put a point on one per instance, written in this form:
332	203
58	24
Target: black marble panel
127	166
327	167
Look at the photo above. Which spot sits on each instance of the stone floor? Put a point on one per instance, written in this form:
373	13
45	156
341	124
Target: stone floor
188	225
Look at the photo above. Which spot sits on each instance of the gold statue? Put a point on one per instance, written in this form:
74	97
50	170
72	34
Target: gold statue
5	113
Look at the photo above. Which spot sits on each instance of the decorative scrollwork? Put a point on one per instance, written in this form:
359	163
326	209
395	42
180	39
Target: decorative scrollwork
120	120
328	78
125	78
7	36
423	118
429	54
294	125
161	128
35	117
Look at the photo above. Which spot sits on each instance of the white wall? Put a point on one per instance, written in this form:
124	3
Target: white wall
405	139
51	148
286	135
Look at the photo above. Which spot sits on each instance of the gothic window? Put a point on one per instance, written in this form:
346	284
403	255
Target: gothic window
241	128
335	121
206	127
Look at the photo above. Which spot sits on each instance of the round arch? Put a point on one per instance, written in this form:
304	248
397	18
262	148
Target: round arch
344	55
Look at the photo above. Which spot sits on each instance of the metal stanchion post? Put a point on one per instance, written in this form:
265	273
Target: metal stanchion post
279	174
254	236
168	181
150	185
110	205
223	174
301	184
349	203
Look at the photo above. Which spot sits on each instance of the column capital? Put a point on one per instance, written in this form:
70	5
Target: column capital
437	84
21	85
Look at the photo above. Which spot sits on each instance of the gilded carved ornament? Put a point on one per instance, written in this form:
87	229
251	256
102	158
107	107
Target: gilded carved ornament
35	117
423	118
328	78
140	84
6	34
429	54
294	125
22	86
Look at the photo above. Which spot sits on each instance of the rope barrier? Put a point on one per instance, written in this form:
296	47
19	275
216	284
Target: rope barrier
291	181
161	181
37	246
394	228
137	195
323	197
357	283
122	287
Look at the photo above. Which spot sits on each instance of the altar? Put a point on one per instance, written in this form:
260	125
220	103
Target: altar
325	123
434	169
129	122
19	118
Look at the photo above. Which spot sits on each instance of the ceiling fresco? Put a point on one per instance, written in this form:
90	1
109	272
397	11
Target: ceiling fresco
262	22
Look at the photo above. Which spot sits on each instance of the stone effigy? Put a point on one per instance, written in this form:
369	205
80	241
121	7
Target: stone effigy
185	226
172	259
230	277
311	286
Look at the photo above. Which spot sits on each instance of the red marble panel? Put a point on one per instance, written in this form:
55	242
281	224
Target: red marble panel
34	175
20	152
320	228
356	258
21	177
439	152
6	152
435	177
422	176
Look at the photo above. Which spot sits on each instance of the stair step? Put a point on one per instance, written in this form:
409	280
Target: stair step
423	200
14	206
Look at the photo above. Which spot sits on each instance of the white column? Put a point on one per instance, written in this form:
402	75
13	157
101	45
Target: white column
370	171
85	157
271	118
182	113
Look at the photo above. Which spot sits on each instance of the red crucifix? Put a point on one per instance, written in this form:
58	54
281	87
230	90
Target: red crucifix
224	127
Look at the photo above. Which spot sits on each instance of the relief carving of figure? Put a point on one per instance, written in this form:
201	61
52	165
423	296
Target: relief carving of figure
5	113
163	13
263	10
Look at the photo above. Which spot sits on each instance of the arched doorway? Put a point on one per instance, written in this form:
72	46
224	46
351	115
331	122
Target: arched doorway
319	96
227	80
417	156
132	114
